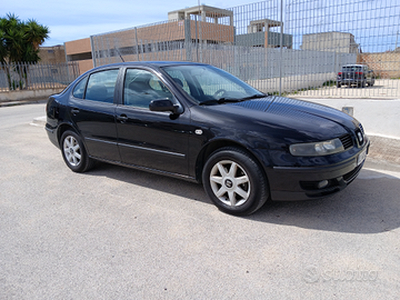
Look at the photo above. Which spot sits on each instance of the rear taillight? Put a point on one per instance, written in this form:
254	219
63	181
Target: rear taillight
359	73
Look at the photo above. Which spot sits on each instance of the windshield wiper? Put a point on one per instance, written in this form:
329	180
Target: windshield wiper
219	101
254	97
231	100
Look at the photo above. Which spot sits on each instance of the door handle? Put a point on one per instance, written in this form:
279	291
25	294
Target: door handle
122	118
74	111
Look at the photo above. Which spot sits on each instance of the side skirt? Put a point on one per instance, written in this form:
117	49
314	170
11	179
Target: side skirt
154	171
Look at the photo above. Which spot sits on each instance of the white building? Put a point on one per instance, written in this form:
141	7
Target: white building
341	42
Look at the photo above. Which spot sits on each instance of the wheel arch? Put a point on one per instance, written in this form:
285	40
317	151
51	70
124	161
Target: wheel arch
64	127
213	146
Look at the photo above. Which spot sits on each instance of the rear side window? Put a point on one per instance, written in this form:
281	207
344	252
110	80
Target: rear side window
352	69
101	86
79	90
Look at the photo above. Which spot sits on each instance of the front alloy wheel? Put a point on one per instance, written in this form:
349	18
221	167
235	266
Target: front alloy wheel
230	183
234	181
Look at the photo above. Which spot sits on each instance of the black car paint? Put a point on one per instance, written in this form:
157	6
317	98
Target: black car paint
178	145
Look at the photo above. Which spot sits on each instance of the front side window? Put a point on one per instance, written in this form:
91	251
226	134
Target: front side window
141	87
101	86
180	79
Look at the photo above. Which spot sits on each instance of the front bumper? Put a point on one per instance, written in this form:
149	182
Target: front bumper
290	183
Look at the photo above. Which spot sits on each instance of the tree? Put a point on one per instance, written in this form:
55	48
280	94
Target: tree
19	43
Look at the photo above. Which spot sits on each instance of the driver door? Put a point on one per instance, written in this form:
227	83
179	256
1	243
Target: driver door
149	139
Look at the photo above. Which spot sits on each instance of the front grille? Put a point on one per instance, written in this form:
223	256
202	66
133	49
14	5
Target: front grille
349	177
361	128
347	141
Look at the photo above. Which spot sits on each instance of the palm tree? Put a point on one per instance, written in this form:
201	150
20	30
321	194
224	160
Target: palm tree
36	33
19	43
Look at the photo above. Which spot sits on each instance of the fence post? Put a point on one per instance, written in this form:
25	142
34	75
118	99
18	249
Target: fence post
92	46
188	40
281	52
137	44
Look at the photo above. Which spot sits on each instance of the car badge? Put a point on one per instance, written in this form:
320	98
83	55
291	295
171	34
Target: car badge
198	131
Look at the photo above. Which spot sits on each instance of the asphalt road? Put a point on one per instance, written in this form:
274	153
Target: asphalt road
116	233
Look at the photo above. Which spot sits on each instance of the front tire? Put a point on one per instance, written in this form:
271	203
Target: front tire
74	152
234	181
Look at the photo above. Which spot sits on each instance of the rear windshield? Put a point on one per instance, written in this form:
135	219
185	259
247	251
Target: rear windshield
351	68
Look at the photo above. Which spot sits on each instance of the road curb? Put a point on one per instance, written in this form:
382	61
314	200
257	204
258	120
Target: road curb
385	148
21	102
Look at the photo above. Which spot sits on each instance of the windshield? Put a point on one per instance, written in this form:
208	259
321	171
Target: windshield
209	85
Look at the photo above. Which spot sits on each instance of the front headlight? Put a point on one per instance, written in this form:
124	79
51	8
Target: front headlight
317	149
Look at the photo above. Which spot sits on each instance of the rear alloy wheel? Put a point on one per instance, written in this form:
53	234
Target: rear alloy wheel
234	181
74	153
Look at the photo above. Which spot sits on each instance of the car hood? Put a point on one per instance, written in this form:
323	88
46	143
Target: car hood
295	120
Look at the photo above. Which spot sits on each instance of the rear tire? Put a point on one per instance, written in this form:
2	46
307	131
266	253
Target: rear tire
234	181
74	152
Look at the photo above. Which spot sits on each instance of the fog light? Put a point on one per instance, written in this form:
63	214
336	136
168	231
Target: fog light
322	184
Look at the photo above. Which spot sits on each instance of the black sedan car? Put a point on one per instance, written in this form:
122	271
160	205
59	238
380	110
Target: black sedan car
199	123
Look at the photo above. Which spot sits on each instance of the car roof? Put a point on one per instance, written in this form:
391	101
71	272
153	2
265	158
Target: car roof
354	65
155	64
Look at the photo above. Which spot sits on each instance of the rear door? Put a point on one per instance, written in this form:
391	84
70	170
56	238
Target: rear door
92	110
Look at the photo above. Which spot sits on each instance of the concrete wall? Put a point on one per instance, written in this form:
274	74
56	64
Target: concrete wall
212	32
330	41
28	94
385	65
85	65
52	55
291	83
78	46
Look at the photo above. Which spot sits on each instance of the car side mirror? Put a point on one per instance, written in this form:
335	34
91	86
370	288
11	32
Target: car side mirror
165	105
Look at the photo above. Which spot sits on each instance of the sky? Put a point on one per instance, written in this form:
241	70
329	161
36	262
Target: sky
76	19
374	23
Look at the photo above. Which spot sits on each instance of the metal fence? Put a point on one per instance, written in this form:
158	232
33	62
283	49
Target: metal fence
27	76
285	46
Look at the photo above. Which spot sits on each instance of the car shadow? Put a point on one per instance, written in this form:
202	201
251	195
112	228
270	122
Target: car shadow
369	205
179	187
366	87
375	87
